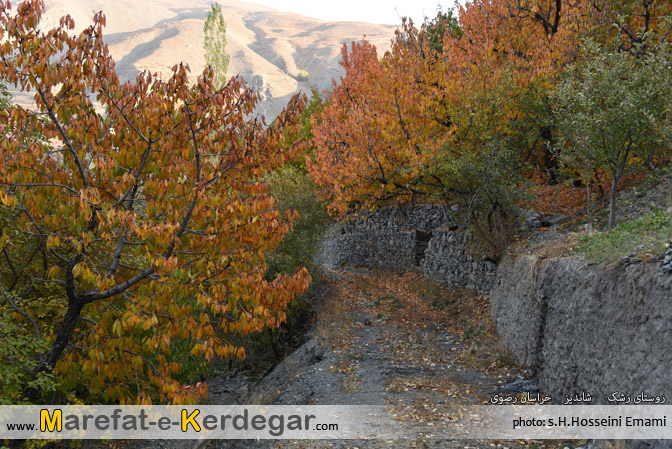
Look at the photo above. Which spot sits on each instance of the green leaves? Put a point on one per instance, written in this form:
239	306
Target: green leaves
612	111
5	97
19	352
295	192
215	44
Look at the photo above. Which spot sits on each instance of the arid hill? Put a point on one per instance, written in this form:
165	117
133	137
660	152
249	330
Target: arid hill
269	48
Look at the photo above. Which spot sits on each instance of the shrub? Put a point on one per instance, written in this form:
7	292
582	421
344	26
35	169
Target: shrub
294	191
303	75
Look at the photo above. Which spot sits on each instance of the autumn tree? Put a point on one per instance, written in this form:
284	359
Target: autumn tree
525	44
215	44
374	136
401	129
135	229
634	26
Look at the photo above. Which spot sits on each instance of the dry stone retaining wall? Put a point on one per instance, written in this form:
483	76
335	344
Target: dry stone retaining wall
421	238
580	327
575	326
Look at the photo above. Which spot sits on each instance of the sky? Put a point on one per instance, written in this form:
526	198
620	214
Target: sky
372	11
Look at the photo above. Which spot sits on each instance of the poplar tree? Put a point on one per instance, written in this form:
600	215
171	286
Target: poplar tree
215	44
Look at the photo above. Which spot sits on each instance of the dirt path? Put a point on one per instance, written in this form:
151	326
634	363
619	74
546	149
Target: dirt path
391	339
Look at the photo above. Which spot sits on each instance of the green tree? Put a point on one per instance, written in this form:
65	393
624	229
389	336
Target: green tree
4	96
479	173
215	44
437	27
613	112
293	190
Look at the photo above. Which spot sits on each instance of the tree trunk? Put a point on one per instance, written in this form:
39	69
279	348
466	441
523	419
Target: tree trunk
612	202
58	346
551	160
587	176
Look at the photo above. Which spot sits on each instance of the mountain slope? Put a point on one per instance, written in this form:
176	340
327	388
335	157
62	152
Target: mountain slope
267	47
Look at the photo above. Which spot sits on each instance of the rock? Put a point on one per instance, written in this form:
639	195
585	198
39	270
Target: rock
519	386
557	220
532	218
666	264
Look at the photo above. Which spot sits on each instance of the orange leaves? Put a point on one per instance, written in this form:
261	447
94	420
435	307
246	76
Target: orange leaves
153	215
374	134
396	128
528	40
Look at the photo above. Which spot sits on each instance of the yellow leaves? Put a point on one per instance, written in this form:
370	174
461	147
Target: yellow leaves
8	200
209	353
137	362
85	274
53	241
53	272
240	353
117	328
197	350
77	269
87	366
152	321
114	187
4	239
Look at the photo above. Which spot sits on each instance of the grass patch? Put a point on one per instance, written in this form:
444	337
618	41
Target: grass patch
644	236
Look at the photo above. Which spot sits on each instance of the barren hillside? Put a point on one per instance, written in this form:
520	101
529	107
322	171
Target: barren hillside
267	47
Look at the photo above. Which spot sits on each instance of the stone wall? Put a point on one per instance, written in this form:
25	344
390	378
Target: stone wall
421	238
580	327
447	260
574	326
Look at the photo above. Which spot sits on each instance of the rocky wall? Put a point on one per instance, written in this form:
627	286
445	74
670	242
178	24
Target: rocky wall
581	327
421	238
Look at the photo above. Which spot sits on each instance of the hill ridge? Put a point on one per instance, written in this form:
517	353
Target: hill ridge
268	48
